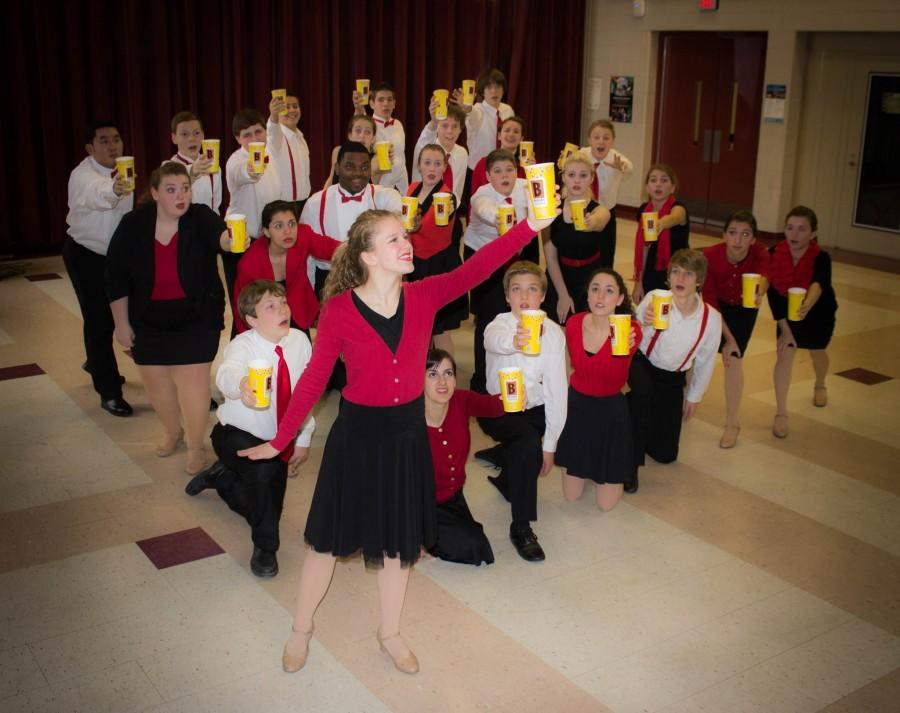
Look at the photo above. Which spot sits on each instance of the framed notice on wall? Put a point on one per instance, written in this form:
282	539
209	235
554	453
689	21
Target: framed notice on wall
621	99
773	106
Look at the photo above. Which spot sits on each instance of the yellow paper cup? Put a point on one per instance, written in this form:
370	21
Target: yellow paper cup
750	288
578	208
257	151
468	92
506	218
650	223
662	305
796	295
541	180
237	227
408	207
211	152
619	331
259	376
125	167
532	319
526	152
441	96
362	88
511	388
443	205
280	94
383	154
568	150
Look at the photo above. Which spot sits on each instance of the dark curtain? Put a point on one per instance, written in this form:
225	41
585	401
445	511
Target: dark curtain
140	63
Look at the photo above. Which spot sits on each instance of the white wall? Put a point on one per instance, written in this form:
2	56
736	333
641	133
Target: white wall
618	43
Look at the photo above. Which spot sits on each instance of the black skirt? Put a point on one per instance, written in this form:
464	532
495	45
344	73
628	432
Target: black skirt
451	315
375	489
171	333
740	321
596	443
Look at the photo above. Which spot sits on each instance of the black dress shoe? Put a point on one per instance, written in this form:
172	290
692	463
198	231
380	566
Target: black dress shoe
491	456
526	544
117	406
632	485
205	479
263	563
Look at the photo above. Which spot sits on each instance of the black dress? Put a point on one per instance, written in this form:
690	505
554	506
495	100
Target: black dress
816	329
580	252
654	279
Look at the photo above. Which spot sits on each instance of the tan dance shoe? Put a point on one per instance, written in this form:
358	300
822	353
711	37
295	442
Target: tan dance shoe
729	437
196	460
780	427
405	664
820	396
292	663
169	444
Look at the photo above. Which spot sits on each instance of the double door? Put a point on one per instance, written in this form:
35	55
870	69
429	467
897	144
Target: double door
710	90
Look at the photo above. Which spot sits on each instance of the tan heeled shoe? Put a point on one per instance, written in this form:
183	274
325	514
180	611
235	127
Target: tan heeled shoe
291	663
780	427
406	664
820	396
169	445
729	437
196	460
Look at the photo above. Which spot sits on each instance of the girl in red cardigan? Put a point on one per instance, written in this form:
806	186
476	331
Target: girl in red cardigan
375	489
281	256
434	250
596	442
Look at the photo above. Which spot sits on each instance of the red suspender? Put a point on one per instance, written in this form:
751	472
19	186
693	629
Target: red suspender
703	323
322	212
293	170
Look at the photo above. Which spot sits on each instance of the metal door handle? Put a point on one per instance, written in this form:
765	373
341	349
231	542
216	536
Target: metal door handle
733	125
697	102
707	145
717	145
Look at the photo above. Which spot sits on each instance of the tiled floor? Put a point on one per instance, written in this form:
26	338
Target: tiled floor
762	579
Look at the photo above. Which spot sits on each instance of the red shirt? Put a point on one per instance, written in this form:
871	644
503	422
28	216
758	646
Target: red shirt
723	278
600	374
256	265
166	283
376	376
451	440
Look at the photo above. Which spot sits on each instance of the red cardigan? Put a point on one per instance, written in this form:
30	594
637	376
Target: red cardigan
601	374
450	442
375	375
255	265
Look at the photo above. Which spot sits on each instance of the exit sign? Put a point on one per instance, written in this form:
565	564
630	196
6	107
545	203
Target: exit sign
708	5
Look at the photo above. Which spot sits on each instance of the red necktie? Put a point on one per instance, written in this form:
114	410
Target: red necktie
595	183
347	199
283	397
508	199
293	170
499	124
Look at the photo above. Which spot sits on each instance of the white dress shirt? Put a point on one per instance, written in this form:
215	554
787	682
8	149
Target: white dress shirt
610	178
294	186
482	227
481	129
239	352
544	374
206	190
249	197
459	161
675	342
94	208
397	177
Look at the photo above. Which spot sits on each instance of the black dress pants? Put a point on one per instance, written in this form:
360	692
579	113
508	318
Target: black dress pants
656	403
253	489
522	457
460	536
87	270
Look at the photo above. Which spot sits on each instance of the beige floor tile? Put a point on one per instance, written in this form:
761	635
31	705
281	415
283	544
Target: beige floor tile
19	672
877	697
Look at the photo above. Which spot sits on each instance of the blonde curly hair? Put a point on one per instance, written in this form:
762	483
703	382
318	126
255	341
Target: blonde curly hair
347	268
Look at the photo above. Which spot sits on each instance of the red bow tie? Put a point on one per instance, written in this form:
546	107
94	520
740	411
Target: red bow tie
347	199
508	199
389	122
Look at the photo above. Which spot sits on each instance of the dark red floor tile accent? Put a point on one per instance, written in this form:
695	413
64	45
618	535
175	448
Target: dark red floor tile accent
864	376
43	276
179	547
20	371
